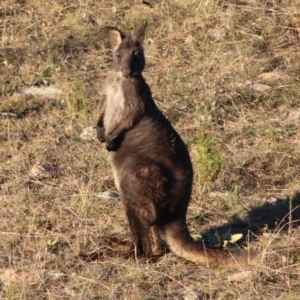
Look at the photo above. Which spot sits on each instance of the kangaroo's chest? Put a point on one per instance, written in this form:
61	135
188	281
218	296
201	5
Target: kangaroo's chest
115	102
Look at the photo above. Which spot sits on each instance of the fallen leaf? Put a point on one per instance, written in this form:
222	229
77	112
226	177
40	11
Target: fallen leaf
236	237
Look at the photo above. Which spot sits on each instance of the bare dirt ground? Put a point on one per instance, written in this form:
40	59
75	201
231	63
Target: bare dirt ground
227	75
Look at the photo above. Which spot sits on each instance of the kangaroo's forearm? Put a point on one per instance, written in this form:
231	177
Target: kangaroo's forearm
115	136
100	129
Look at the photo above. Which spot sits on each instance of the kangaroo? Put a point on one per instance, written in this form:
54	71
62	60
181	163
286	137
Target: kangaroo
150	162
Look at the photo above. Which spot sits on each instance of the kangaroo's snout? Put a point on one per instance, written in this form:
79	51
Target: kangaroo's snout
126	72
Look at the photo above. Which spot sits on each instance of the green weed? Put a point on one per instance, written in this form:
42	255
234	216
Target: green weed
207	159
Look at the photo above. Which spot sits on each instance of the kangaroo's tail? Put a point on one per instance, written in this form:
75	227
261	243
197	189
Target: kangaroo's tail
181	243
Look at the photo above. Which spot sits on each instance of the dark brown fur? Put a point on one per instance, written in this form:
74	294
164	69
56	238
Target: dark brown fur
151	164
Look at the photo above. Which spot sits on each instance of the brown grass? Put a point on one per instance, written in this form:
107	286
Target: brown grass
199	56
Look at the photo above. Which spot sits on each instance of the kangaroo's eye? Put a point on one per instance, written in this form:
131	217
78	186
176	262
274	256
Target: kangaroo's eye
136	53
119	56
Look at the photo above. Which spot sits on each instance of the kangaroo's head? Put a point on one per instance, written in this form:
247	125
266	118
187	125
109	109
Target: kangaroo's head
128	53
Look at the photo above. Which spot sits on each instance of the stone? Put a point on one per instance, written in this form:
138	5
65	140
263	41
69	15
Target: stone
45	91
108	195
257	87
88	134
41	170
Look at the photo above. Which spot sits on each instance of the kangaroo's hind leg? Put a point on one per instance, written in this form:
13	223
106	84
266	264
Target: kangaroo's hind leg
143	187
141	233
141	216
157	246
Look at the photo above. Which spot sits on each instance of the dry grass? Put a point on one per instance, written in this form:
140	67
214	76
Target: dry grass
199	55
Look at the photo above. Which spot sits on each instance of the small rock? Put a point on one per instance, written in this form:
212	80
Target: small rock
219	34
254	197
271	200
149	3
267	235
56	276
150	41
69	129
218	194
273	76
41	171
240	276
10	276
108	195
189	39
257	87
45	91
250	2
88	134
293	116
193	296
45	256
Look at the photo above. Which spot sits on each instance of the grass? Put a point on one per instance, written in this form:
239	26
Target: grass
199	56
207	159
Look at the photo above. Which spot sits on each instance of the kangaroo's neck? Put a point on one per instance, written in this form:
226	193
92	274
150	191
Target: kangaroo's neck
118	77
132	88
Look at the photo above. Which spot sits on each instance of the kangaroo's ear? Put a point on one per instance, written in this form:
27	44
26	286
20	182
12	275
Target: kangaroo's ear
139	35
114	36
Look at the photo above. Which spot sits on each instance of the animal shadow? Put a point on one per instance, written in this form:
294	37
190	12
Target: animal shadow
274	214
